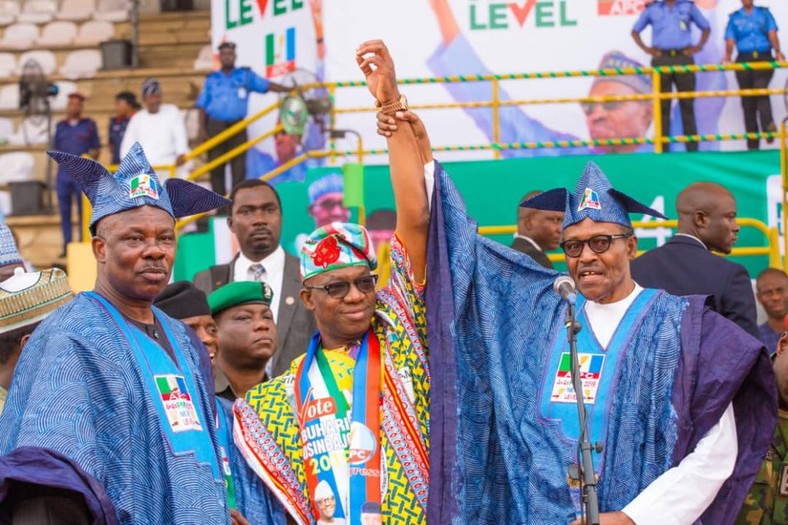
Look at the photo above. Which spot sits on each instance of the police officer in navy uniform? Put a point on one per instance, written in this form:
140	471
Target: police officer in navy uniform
753	31
78	136
125	107
671	45
223	102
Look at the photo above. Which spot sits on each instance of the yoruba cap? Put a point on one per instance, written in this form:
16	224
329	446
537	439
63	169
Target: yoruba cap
135	184
323	491
151	86
229	45
593	198
334	246
238	293
27	298
618	60
9	253
331	183
181	300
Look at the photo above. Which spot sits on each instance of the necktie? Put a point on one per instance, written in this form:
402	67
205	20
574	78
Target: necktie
256	272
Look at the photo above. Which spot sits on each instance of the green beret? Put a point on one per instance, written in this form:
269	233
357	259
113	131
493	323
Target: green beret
242	292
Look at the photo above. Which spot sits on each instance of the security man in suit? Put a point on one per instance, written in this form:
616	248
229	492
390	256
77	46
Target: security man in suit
256	220
671	45
685	264
223	102
538	231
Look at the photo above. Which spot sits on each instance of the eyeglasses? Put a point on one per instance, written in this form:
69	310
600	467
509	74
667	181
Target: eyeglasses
597	243
340	289
589	107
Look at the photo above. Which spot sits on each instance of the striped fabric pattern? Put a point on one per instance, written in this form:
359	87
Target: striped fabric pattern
78	391
110	193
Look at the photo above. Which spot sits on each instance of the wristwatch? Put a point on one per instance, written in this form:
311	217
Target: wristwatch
401	104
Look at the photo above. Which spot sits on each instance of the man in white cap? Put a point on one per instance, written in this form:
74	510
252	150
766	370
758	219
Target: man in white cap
26	299
326	505
159	128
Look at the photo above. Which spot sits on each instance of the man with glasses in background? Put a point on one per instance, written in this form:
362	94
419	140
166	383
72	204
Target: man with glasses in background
331	421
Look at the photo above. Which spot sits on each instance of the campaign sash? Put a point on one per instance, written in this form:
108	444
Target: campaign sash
599	371
225	442
172	388
341	444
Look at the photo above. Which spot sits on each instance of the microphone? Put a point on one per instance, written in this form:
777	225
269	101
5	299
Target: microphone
565	287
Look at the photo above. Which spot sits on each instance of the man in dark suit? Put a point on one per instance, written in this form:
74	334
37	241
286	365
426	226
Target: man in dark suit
256	220
685	264
537	231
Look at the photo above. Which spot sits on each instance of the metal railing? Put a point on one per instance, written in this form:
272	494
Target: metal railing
656	97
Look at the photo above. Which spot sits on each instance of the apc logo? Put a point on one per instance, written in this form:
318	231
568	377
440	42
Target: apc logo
619	7
238	13
501	15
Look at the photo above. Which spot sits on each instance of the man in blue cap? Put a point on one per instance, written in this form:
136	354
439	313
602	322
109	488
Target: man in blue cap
681	399
111	408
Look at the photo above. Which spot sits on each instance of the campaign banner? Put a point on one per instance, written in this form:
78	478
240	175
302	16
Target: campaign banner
434	38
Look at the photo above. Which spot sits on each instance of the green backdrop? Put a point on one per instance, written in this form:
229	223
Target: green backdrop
492	190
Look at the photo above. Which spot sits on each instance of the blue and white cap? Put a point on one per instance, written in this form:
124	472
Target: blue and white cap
9	253
331	183
593	198
135	184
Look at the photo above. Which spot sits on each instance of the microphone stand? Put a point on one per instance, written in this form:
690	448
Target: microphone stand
587	475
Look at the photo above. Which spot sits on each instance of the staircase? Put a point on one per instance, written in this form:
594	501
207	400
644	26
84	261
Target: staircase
168	46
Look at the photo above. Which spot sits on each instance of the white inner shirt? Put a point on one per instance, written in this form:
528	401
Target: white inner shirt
274	266
681	494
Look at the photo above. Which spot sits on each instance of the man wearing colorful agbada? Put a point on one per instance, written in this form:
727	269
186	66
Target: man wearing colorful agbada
681	399
111	407
345	430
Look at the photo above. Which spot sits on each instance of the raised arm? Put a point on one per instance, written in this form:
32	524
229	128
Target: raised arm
405	157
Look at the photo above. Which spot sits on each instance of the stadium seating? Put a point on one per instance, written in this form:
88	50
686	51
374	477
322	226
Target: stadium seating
38	11
32	131
94	32
76	10
17	167
57	33
65	88
6	129
9	96
7	65
45	59
9	10
20	36
112	10
83	63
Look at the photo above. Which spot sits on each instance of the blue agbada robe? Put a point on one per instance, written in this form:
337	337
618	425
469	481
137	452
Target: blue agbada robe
492	315
79	417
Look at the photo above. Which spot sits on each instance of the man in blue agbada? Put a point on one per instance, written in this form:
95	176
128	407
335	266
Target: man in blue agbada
682	399
110	415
